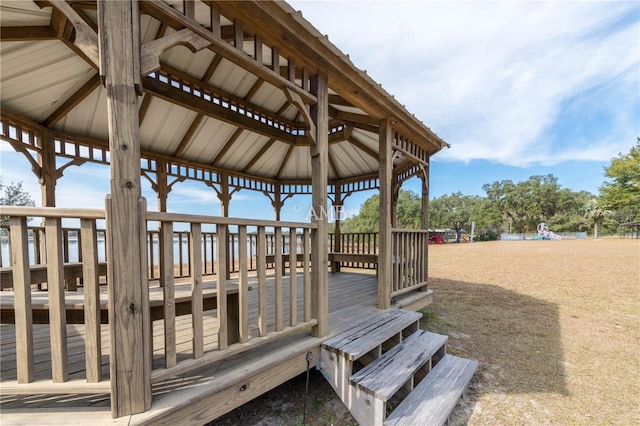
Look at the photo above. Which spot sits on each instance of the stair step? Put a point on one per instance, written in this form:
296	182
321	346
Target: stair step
435	397
383	377
361	339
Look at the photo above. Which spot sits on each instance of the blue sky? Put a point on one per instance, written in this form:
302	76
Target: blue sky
517	89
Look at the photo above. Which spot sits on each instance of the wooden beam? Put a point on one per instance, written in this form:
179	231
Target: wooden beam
165	13
72	101
28	33
284	161
355	142
144	107
254	89
338	100
332	165
259	154
227	146
151	51
193	103
188	135
86	38
211	69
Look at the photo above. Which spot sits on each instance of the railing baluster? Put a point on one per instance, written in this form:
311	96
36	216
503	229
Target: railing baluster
167	273
22	298
55	288
261	260
91	286
306	273
195	259
293	285
278	276
223	336
243	285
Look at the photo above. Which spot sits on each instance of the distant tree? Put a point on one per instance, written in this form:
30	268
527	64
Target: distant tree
408	213
455	211
621	192
593	211
570	216
526	203
13	195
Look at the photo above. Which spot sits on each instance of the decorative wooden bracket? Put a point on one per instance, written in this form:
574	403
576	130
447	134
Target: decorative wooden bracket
151	51
296	99
74	162
154	184
86	38
20	147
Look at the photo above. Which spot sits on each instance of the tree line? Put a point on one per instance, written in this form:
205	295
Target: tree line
518	207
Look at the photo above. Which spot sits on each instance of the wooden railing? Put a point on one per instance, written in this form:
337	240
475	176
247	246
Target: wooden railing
357	249
252	244
409	259
205	293
72	254
22	305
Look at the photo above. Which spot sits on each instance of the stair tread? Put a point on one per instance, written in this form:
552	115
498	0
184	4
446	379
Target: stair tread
435	397
364	337
384	376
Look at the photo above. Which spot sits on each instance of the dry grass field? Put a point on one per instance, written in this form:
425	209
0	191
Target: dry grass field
554	324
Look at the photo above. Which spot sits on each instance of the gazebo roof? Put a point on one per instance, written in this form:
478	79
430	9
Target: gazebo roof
220	107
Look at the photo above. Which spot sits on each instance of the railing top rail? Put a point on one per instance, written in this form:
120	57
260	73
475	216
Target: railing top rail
218	220
154	216
51	212
415	231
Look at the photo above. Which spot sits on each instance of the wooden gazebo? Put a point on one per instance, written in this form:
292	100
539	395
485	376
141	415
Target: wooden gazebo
240	95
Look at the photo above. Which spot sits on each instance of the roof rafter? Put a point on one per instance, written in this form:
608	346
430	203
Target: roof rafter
227	146
284	161
188	135
259	154
73	101
332	165
355	142
28	33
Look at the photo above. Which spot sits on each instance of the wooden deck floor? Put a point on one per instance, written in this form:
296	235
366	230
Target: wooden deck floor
352	296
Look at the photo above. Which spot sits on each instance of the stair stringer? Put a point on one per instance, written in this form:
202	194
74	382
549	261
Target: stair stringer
364	407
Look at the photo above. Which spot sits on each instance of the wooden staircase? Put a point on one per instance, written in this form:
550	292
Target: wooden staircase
388	361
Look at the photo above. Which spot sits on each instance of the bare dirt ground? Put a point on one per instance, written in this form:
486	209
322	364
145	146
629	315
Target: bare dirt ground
554	324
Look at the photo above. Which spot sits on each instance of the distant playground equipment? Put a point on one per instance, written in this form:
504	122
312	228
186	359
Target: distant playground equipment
545	234
447	236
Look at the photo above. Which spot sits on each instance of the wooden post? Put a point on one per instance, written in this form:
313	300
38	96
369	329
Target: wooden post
277	201
424	222
337	206
47	178
225	198
386	188
319	177
161	185
129	319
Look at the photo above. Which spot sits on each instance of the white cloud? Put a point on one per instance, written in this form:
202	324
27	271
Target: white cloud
494	78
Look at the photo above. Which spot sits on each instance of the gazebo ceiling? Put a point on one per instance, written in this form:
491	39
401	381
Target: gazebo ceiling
203	107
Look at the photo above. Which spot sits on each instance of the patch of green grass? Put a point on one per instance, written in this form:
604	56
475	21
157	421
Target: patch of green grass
430	321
